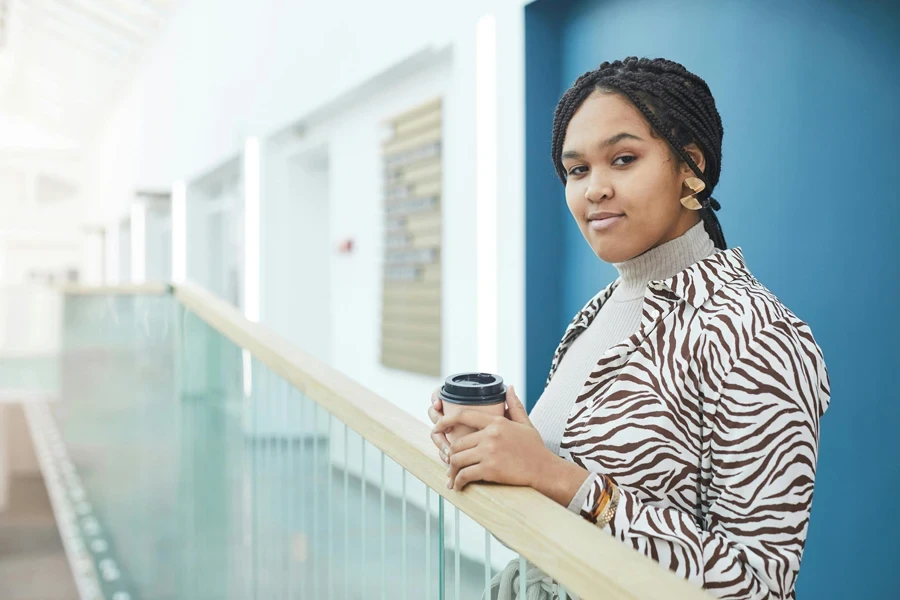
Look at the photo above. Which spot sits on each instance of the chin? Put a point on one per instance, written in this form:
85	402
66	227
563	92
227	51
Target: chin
611	252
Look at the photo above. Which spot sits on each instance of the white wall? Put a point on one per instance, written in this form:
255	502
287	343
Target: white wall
226	70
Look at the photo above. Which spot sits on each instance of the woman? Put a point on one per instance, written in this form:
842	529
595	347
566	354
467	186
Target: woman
682	410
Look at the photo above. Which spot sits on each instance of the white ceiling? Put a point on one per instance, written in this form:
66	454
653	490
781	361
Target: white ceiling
63	63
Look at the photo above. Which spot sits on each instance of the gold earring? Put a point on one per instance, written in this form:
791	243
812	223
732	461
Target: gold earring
696	185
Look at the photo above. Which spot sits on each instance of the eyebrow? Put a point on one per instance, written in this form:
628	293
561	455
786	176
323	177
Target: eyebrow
610	142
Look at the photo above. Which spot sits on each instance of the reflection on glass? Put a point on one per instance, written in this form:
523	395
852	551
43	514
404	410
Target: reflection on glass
207	480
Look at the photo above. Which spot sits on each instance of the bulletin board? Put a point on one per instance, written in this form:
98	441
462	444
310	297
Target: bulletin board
411	298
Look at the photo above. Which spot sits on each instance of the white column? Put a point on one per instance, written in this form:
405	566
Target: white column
138	242
179	232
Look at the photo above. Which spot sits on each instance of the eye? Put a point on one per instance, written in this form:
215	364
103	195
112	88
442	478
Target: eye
575	170
627	160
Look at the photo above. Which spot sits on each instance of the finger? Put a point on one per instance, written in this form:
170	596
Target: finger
461	460
467	476
472	418
434	415
467	442
517	410
443	445
436	401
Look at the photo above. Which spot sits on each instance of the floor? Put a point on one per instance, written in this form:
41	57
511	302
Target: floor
33	565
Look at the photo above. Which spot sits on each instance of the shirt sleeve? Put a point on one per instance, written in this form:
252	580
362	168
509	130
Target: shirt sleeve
581	495
763	439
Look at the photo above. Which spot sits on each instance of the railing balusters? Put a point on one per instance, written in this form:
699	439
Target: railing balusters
441	552
383	536
330	512
346	511
522	583
290	426
363	536
456	569
301	532
314	484
487	559
404	579
427	543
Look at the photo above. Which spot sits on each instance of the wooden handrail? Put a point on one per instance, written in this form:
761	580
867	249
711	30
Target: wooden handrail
155	288
586	560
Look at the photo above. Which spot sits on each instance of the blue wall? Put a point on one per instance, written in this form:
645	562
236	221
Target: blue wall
810	189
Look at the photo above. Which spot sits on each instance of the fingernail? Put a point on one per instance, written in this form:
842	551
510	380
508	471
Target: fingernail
449	484
447	451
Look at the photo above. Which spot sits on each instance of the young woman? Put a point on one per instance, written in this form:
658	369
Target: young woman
682	410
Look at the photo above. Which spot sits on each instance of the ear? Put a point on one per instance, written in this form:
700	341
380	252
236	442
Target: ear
696	155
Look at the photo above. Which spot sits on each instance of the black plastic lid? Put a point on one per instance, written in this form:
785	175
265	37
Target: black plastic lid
473	389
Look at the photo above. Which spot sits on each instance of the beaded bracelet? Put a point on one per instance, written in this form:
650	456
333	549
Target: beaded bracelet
603	500
610	511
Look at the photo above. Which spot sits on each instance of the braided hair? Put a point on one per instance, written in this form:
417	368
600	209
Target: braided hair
678	106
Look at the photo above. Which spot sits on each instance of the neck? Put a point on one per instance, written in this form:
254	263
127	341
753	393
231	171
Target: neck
663	261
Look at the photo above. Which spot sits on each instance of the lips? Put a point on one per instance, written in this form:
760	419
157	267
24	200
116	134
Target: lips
601	221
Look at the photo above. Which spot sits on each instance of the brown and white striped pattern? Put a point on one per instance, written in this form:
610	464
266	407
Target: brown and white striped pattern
708	421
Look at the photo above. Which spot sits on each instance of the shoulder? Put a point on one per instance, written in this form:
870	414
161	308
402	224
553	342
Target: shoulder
761	344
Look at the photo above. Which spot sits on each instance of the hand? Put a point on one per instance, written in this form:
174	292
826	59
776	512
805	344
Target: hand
506	450
435	412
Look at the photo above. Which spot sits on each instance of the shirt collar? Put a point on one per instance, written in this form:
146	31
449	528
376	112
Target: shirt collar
700	282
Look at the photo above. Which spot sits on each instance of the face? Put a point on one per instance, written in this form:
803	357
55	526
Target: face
624	187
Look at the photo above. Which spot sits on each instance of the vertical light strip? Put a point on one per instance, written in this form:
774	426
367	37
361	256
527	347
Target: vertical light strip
138	242
486	189
112	255
179	232
251	229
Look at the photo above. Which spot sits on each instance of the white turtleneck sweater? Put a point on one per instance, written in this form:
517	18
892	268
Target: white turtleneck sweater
619	318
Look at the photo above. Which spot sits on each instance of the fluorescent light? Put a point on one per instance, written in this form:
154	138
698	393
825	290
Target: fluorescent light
138	246
251	229
179	232
486	190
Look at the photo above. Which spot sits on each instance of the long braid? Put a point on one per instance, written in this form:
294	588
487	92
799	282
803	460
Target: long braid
677	104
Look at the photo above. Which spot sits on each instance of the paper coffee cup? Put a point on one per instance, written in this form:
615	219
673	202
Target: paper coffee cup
484	392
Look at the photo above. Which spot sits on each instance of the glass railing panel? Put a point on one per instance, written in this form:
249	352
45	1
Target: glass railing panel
201	473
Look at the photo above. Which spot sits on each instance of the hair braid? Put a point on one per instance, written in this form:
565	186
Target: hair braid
677	104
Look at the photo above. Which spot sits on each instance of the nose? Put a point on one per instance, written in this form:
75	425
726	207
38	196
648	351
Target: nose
598	189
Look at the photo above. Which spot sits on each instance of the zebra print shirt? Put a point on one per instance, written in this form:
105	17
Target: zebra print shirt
707	419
